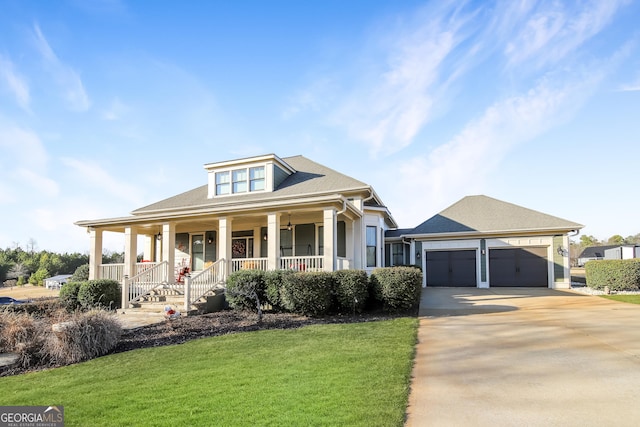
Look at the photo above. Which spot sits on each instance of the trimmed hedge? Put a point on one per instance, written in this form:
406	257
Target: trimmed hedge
307	293
351	290
617	274
273	287
69	295
397	288
240	287
100	293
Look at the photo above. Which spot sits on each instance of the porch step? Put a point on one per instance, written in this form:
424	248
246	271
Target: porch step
171	299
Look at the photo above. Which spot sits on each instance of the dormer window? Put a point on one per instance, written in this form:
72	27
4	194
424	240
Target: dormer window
239	181
256	178
222	183
243	176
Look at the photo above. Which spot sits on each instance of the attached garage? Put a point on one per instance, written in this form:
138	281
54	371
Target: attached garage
518	267
451	268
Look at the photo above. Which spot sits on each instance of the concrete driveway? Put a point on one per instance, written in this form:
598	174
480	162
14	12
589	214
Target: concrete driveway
525	357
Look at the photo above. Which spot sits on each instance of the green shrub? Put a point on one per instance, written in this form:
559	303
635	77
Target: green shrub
69	295
351	290
397	288
307	293
241	286
81	274
84	336
617	274
99	293
273	287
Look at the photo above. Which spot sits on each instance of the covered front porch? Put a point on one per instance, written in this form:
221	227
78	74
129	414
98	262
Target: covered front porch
194	255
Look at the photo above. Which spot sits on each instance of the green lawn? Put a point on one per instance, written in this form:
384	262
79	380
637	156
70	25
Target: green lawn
323	375
633	299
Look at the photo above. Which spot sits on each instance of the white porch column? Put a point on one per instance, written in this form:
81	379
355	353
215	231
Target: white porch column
358	233
149	248
330	239
273	241
95	253
350	238
224	239
169	249
412	252
130	251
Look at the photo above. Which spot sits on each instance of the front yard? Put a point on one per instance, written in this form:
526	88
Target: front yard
336	374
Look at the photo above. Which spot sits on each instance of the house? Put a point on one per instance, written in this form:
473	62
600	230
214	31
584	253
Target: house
262	212
270	213
56	282
622	252
484	242
593	253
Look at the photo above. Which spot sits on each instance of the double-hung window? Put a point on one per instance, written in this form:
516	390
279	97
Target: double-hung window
256	178
239	181
222	183
372	244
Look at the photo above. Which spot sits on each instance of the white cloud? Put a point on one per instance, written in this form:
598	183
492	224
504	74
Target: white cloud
461	166
15	83
556	30
92	174
117	109
388	109
20	147
39	182
67	78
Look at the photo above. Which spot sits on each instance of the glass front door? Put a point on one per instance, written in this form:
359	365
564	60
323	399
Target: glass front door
197	252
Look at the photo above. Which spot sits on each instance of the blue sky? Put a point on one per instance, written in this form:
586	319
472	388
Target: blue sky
108	105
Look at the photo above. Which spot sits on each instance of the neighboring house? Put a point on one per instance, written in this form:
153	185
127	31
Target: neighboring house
483	242
593	253
56	282
270	213
262	212
622	252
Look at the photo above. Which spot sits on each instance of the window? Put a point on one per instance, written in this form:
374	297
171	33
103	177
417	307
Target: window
222	183
397	257
256	178
372	237
240	181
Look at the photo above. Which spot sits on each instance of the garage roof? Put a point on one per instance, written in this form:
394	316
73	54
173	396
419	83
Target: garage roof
483	214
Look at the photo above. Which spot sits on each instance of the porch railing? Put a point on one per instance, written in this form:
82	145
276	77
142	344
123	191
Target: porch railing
248	264
116	271
302	263
142	283
196	286
111	271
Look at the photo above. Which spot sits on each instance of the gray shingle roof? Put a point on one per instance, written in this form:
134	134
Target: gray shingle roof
310	178
484	214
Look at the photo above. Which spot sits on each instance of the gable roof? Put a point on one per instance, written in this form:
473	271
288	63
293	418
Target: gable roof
596	251
485	215
310	178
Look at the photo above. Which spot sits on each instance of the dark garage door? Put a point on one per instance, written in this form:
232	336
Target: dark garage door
451	268
525	267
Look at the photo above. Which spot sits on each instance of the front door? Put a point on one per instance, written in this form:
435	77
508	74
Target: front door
197	252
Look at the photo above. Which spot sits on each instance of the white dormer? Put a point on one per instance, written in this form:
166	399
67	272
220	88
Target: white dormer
243	176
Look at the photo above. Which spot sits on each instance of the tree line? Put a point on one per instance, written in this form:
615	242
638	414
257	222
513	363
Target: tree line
32	266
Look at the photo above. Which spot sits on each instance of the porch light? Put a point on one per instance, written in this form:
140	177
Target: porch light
159	236
210	239
264	237
289	227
